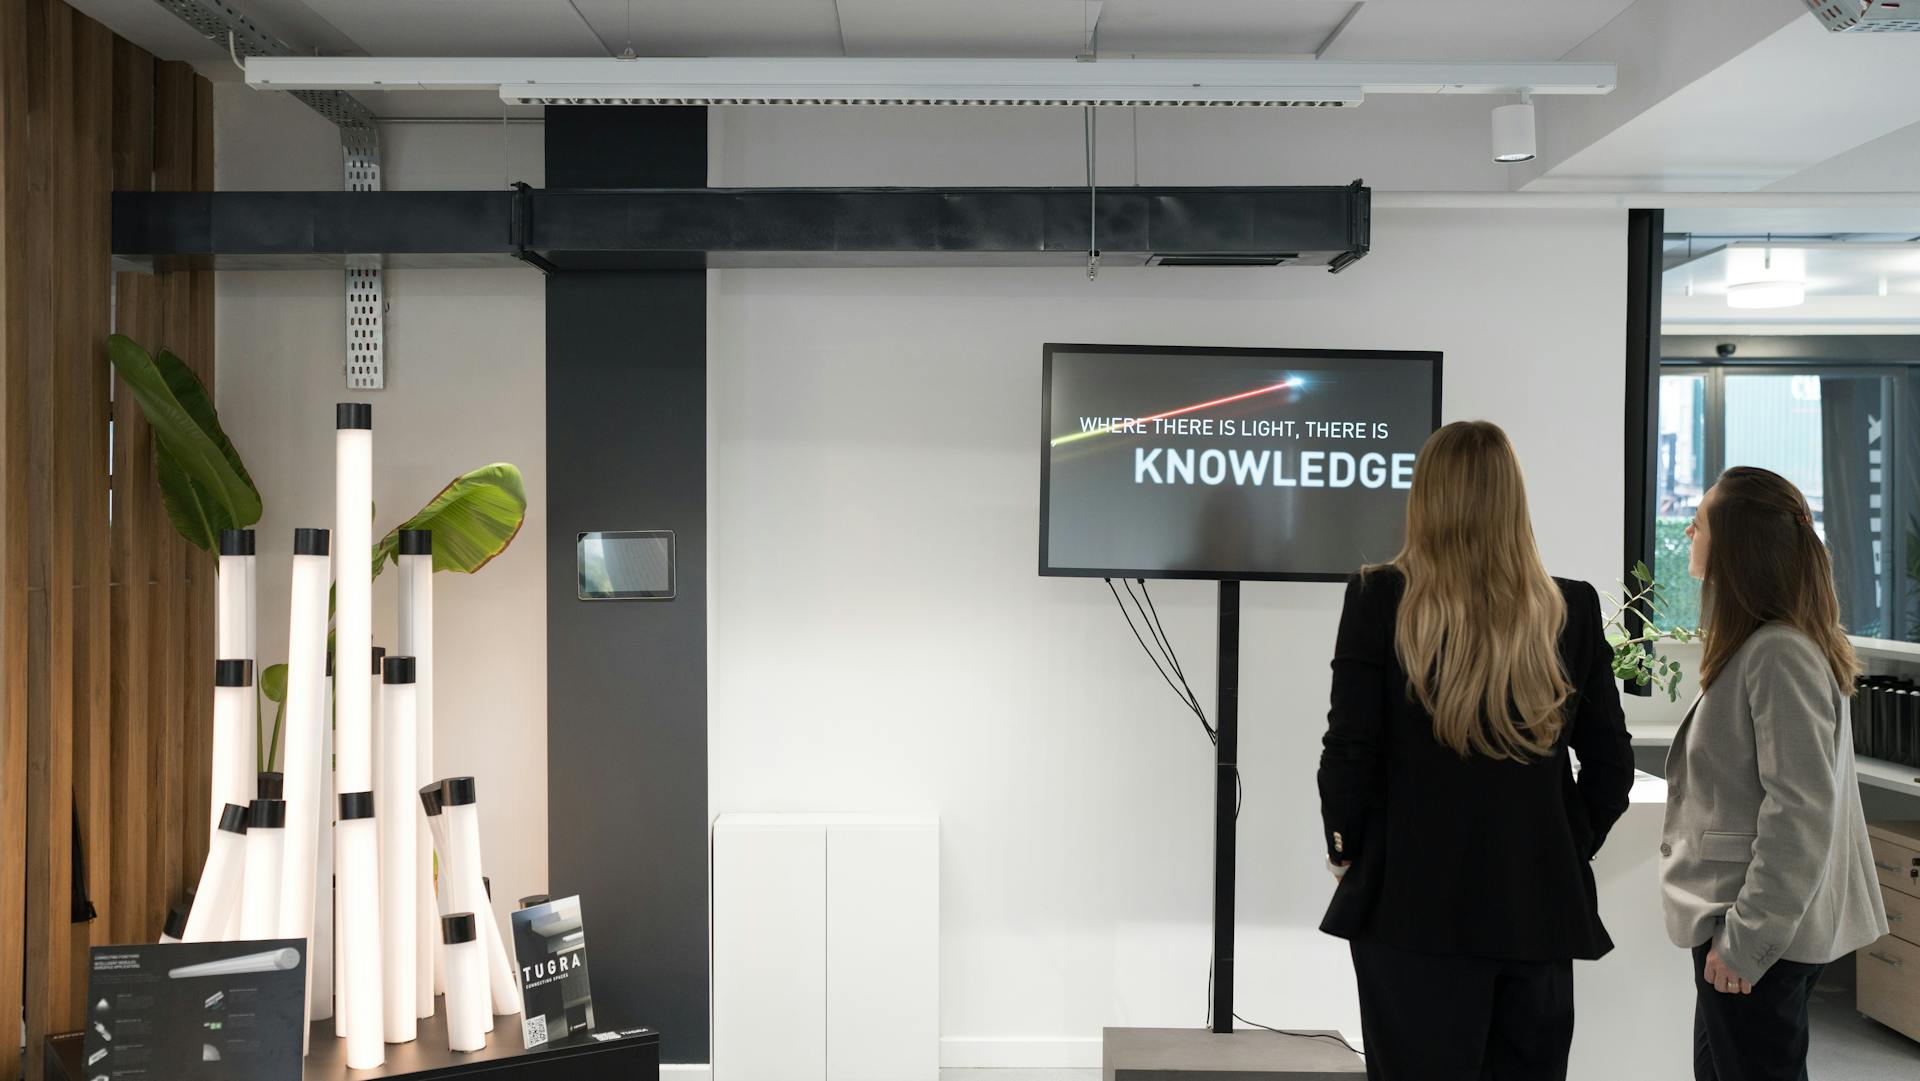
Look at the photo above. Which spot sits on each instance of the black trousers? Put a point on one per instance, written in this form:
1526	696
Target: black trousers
1756	1037
1428	1017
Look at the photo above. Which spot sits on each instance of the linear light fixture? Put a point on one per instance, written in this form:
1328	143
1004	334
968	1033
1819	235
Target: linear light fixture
877	81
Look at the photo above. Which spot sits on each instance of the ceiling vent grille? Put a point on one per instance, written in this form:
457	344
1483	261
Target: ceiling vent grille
1868	16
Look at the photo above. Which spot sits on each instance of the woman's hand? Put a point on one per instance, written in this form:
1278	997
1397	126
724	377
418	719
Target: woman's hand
1723	978
1338	868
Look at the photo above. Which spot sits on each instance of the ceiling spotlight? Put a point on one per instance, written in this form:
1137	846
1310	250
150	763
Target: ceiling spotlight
1764	276
1513	131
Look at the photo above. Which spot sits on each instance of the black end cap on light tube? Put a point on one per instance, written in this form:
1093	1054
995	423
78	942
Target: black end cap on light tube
398	670
233	673
458	927
416	542
311	542
233	818
236	542
177	922
531	900
432	797
353	415
487	885
267	814
271	786
379	658
355	806
459	791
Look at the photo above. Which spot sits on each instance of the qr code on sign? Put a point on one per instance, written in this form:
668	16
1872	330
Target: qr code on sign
535	1029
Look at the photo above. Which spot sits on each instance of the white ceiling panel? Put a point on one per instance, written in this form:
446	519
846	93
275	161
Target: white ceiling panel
461	27
992	28
718	27
1185	27
1472	29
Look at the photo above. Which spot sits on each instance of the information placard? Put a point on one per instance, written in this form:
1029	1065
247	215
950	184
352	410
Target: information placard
212	1011
551	948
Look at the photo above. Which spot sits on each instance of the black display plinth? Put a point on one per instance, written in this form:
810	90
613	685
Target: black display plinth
633	1056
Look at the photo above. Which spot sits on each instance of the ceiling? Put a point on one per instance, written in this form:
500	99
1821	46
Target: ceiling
1366	29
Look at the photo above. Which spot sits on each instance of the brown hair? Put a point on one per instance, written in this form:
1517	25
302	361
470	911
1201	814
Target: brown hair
1479	627
1765	564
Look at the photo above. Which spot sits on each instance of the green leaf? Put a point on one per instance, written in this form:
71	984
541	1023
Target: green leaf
192	446
195	515
273	682
1640	572
473	520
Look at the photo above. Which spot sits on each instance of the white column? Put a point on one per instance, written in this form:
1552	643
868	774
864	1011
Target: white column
416	641
399	826
353	593
304	736
233	628
218	895
266	844
234	765
467	1012
359	898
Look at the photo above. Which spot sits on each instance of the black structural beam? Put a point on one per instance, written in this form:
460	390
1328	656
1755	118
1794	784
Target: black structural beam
667	228
1644	269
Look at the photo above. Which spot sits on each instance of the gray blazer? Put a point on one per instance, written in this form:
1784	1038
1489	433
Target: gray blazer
1765	846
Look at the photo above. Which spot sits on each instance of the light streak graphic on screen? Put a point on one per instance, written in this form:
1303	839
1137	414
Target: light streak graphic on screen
1105	429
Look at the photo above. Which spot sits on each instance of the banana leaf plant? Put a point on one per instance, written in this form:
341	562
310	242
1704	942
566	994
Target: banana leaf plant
203	484
205	489
473	519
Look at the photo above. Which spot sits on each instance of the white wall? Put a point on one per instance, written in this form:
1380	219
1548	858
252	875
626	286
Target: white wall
466	385
881	641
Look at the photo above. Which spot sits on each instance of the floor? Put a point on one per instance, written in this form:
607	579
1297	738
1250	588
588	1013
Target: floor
1846	1047
1849	1047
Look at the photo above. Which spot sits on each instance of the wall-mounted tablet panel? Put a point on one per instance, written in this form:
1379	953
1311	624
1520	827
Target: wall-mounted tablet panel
626	565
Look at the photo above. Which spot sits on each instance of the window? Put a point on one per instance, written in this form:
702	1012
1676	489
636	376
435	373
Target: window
1828	429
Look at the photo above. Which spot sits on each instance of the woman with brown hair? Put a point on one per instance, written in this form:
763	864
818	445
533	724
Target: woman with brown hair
1462	675
1765	868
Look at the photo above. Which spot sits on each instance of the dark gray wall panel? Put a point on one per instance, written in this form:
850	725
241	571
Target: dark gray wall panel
627	680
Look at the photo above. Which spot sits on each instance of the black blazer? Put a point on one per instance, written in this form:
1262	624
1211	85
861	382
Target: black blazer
1467	856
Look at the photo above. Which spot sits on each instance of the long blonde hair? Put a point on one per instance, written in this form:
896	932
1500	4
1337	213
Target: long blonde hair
1479	626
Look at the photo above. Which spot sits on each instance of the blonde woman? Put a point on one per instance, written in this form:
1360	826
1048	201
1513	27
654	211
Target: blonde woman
1462	675
1765	866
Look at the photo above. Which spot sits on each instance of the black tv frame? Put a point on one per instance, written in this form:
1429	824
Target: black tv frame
1434	358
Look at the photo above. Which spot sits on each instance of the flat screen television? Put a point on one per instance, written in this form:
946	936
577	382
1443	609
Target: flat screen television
1244	464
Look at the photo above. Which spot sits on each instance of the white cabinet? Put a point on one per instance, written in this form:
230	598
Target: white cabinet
826	948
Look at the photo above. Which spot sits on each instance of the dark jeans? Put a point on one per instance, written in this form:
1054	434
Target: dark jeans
1756	1037
1429	1017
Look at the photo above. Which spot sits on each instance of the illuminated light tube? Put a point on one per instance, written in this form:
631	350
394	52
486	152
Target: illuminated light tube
266	847
432	801
466	973
234	761
470	895
307	795
284	959
234	630
176	927
399	830
320	957
416	641
221	878
359	900
342	988
353	591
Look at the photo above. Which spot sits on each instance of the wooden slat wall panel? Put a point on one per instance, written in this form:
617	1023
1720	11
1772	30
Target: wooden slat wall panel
180	758
51	390
105	615
93	572
15	154
135	914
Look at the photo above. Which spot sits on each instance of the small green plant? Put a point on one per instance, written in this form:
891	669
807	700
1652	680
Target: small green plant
1635	628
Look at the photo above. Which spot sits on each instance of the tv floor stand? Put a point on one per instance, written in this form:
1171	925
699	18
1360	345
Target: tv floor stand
1226	801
